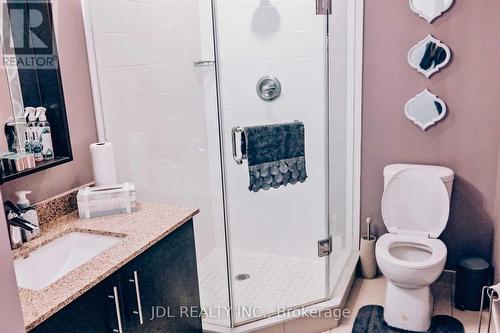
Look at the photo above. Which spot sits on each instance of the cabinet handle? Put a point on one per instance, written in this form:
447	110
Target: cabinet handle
117	307
138	296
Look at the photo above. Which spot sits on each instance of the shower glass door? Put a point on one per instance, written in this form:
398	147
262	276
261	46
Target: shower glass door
273	235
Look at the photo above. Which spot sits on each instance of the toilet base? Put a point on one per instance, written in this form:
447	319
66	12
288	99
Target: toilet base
408	309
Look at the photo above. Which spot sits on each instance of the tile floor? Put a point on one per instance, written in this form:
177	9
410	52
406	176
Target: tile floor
366	292
275	283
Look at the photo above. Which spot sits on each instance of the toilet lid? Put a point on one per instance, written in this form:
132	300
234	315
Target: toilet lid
416	200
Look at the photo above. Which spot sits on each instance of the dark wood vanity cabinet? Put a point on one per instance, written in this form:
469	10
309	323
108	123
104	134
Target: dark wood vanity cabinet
160	286
167	278
92	312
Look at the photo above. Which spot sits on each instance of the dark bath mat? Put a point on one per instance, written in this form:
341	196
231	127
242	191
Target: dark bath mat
370	319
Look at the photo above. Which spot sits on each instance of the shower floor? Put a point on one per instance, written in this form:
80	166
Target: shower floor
273	283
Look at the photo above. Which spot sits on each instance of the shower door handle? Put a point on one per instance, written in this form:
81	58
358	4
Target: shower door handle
234	132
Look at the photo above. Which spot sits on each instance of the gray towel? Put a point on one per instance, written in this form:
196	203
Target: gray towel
275	154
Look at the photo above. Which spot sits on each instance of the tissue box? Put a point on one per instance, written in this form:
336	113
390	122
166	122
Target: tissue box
106	200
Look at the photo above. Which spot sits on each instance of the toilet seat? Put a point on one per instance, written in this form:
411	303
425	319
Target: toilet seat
416	201
437	249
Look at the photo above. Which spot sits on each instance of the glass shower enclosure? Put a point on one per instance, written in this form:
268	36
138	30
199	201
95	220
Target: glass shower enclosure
171	81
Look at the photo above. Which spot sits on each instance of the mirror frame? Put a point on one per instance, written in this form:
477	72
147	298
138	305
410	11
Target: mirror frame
432	16
429	72
435	98
50	91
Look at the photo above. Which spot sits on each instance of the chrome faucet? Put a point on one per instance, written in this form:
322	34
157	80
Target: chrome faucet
17	225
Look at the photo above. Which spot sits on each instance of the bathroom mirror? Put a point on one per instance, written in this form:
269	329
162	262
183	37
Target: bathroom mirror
32	74
429	10
425	109
429	56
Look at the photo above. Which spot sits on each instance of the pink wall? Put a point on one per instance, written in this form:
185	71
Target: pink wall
466	141
496	252
11	319
79	106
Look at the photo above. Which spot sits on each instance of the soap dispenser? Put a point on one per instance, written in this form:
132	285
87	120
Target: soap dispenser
45	134
29	214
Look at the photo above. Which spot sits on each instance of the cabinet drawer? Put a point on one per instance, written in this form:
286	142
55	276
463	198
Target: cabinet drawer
166	286
93	312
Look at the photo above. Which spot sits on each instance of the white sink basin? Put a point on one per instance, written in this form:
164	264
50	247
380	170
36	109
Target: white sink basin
52	261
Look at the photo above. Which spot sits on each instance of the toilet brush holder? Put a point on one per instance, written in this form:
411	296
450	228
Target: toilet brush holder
367	257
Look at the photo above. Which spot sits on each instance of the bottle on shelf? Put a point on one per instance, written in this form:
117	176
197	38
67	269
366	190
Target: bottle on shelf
45	134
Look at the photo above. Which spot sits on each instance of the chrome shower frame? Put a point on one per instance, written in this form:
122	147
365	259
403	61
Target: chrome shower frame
324	7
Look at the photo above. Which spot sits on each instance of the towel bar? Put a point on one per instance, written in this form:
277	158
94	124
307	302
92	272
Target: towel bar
493	295
239	130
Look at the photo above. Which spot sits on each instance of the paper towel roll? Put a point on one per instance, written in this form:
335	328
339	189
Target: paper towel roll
103	163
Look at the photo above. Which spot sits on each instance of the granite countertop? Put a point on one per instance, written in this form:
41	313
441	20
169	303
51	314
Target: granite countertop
140	230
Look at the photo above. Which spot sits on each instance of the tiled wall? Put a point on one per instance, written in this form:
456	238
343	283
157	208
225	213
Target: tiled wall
154	105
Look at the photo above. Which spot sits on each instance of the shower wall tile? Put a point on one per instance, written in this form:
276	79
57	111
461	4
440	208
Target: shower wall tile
122	115
153	103
134	81
289	70
298	45
119	50
301	97
106	17
257	18
145	17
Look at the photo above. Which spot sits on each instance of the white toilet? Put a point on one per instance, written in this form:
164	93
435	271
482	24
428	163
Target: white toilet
415	209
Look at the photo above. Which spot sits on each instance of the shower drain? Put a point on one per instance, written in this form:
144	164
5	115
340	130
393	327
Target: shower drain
242	277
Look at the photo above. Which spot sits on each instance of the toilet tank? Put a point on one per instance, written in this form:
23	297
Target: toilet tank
446	174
